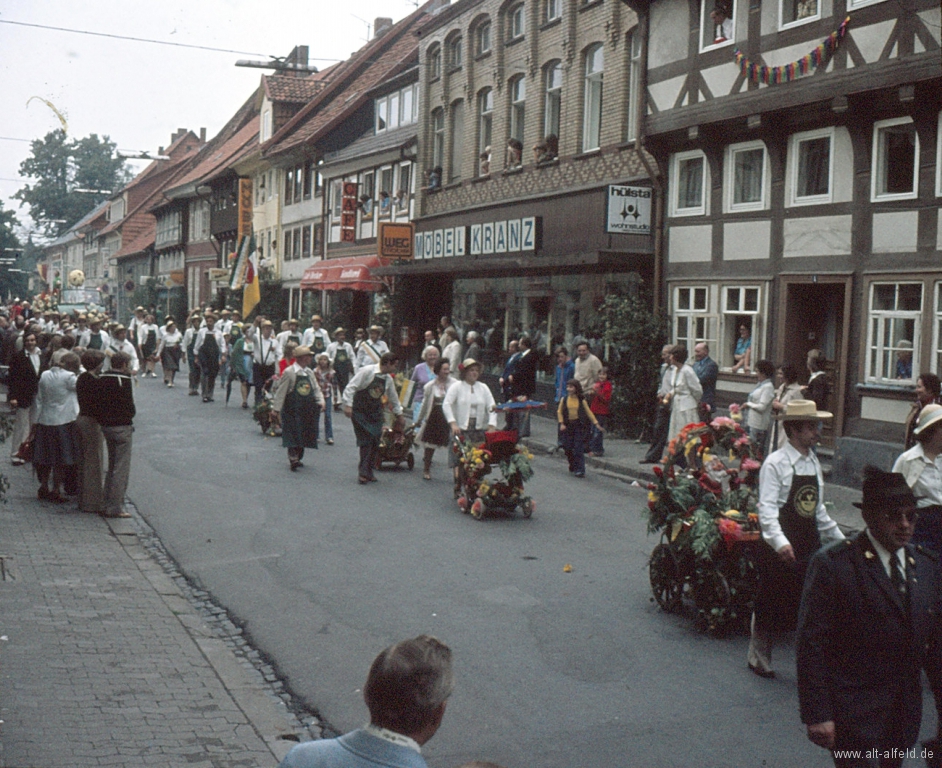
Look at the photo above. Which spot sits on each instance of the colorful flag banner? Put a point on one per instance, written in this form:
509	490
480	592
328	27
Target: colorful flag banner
785	73
251	293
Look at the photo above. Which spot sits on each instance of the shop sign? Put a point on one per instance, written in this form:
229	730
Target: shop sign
218	273
245	209
629	210
348	213
395	240
494	237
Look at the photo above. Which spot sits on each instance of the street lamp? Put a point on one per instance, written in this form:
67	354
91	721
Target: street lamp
92	191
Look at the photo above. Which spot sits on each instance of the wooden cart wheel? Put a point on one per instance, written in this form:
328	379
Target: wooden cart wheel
666	583
477	509
410	461
712	597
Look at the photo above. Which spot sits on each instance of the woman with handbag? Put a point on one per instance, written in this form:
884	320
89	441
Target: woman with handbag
25	367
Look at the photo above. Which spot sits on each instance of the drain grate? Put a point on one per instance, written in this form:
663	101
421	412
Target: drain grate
7	569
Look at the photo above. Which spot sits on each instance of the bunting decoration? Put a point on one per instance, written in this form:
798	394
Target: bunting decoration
819	57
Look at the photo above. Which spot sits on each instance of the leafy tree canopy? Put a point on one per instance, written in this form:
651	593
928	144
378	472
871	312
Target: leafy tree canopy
11	283
61	165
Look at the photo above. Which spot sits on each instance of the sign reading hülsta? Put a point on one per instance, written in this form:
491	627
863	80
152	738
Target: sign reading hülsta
629	210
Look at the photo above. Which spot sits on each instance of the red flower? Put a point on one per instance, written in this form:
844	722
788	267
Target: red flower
658	470
709	484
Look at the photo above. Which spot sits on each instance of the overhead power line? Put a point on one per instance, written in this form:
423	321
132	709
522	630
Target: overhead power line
141	39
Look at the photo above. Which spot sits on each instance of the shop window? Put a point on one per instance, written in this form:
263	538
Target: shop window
894	323
457	141
434	62
746	173
482	38
688	182
592	110
516	22
812	166
554	9
895	153
455	58
693	320
486	120
518	103
792	13
717	23
553	77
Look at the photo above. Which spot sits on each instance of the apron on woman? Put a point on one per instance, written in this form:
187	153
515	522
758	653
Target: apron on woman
300	414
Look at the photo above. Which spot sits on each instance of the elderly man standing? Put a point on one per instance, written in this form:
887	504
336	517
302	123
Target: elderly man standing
662	416
406	692
363	401
707	372
869	623
316	337
587	367
794	520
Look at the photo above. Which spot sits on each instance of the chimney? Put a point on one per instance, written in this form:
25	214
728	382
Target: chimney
381	25
160	150
202	135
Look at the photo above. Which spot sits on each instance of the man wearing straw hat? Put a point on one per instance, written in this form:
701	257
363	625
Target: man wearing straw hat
793	521
869	623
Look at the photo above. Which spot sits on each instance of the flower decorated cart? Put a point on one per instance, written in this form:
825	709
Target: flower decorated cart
492	476
704	506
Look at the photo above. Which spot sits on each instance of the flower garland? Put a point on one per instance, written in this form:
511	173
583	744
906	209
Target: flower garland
788	72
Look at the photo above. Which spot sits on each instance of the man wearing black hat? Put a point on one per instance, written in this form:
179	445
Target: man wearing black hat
869	623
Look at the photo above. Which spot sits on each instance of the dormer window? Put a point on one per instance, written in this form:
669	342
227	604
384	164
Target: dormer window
265	133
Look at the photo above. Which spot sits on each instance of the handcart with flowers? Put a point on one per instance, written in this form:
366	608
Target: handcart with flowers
395	445
703	504
482	492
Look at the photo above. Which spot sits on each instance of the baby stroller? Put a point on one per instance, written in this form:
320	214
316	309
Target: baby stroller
395	446
481	495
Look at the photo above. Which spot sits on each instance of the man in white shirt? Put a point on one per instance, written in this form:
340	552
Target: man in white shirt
211	351
95	337
794	522
363	403
119	343
662	416
291	334
316	337
266	356
372	349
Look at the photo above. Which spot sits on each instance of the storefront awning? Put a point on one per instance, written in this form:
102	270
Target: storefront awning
354	273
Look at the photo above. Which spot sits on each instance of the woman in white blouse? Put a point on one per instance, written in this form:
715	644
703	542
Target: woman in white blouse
468	407
759	405
921	465
55	444
169	351
685	392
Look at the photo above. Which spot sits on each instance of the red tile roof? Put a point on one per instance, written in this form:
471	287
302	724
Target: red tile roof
220	157
291	88
349	83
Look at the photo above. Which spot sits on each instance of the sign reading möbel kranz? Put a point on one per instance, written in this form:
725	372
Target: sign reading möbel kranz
395	240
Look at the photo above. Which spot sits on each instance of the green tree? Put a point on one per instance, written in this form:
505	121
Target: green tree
635	336
60	166
13	277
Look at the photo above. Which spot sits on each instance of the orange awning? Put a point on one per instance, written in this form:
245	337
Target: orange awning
353	273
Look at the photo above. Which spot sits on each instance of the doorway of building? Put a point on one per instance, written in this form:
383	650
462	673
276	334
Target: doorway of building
815	316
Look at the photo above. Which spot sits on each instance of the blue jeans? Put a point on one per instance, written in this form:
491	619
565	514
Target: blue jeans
596	444
574	437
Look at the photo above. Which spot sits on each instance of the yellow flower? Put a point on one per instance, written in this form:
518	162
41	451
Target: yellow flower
652	496
731	513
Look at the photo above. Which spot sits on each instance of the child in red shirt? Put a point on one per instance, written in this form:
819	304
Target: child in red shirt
601	407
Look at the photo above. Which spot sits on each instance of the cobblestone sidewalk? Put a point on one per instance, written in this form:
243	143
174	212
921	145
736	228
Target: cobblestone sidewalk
104	663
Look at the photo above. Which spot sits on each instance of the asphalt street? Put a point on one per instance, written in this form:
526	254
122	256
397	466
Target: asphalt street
555	669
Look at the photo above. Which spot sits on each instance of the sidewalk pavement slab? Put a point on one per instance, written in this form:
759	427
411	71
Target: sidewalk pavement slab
103	661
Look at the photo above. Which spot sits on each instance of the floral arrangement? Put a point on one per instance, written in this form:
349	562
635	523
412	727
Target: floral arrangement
512	460
714	499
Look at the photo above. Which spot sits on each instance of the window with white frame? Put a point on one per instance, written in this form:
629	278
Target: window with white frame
288	250
169	230
336	197
518	103
592	110
894	322
746	174
792	13
199	221
381	108
693	320
385	191
553	78
516	21
482	38
862	3
936	365
116	209
434	62
438	138
688	183
554	9
485	126
741	309
455	58
396	108
812	166
633	46
895	160
265	133
717	23
403	188
457	141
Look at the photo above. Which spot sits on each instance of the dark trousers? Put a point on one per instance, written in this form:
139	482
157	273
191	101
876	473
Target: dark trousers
194	377
260	375
574	437
596	442
367	458
662	423
207	386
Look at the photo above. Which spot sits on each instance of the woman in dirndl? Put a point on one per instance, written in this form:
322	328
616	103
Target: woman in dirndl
170	350
469	409
147	338
431	422
55	443
297	406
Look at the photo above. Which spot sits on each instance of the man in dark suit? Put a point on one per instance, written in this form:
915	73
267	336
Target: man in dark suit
869	622
522	386
707	372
